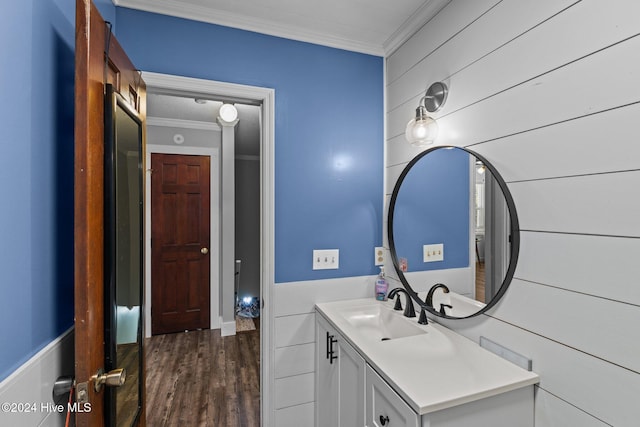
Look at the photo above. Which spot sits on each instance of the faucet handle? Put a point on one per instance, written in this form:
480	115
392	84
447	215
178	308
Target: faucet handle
423	317
398	305
409	311
442	306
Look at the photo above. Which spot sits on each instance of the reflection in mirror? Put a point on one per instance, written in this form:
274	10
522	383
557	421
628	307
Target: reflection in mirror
453	221
123	255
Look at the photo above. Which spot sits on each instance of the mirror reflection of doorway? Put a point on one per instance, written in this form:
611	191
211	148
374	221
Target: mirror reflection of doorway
479	223
492	227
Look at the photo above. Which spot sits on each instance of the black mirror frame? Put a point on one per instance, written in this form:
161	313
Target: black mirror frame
514	233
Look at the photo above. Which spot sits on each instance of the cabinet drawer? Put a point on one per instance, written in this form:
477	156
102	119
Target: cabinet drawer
384	407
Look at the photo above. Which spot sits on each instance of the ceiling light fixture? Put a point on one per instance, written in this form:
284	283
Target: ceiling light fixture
423	130
228	113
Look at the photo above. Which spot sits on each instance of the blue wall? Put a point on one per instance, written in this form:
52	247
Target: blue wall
432	207
328	177
36	171
328	133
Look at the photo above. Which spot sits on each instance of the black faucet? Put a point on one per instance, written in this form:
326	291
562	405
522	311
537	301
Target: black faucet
408	311
429	302
429	299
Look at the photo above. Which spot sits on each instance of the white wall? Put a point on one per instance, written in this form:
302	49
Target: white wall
293	363
549	92
28	391
247	232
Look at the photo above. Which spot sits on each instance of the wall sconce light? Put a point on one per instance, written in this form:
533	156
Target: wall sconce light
423	130
228	113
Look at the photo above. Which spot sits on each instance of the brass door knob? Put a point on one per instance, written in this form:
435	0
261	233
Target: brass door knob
114	378
204	251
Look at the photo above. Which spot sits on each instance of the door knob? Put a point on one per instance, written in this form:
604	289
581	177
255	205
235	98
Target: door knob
204	251
114	378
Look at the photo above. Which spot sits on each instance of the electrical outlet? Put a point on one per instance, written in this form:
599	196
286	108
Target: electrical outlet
379	255
431	253
326	259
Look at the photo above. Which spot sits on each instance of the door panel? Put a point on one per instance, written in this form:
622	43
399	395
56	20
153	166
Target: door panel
180	252
91	39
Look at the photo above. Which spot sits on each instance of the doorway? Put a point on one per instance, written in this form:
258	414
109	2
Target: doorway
225	303
180	235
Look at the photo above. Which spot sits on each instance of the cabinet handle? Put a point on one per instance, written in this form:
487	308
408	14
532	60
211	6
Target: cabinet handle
384	420
328	342
332	355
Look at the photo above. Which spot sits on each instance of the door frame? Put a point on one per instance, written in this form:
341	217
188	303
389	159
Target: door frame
214	226
177	85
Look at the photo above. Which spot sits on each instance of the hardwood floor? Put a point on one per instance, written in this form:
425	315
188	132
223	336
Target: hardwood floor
127	395
199	378
480	281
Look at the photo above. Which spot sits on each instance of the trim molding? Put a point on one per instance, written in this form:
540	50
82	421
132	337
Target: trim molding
413	24
33	383
205	14
243	22
214	283
168	84
184	124
228	328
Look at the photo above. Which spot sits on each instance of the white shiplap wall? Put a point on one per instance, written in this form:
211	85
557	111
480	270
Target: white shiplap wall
549	92
294	343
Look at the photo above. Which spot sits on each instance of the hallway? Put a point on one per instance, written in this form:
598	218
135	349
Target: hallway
198	378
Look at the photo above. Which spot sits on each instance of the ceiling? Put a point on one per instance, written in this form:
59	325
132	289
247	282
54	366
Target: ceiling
247	131
376	27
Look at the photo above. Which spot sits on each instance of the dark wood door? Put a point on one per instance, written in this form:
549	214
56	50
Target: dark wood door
91	75
180	251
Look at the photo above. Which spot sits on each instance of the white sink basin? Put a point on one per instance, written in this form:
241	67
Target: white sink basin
381	323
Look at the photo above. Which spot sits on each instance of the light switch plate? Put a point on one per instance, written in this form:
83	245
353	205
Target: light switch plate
326	259
433	253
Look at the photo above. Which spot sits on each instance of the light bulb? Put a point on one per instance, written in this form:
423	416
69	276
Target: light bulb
228	113
421	131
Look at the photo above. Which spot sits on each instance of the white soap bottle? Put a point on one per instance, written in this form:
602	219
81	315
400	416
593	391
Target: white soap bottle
382	286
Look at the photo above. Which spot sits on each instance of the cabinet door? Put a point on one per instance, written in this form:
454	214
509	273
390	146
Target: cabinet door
385	408
327	397
351	385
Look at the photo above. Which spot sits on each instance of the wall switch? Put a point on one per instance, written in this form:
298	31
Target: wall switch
379	255
326	259
431	253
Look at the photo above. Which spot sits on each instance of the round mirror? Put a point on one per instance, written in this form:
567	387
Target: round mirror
452	222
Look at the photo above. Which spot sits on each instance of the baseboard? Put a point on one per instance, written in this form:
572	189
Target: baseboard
32	383
227	328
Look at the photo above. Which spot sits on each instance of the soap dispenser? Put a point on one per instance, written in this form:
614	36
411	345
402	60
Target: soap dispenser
381	286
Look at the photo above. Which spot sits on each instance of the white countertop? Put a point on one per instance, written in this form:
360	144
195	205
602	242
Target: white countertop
432	371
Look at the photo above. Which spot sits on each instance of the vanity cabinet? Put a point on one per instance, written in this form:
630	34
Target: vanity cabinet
352	390
383	405
340	372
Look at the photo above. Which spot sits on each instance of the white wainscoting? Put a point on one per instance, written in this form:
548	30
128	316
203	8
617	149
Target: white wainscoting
548	92
32	383
294	342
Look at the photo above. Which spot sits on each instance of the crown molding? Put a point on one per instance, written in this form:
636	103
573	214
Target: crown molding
413	24
243	22
183	124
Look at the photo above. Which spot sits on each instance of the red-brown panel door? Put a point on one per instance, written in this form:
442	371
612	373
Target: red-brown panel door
180	252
